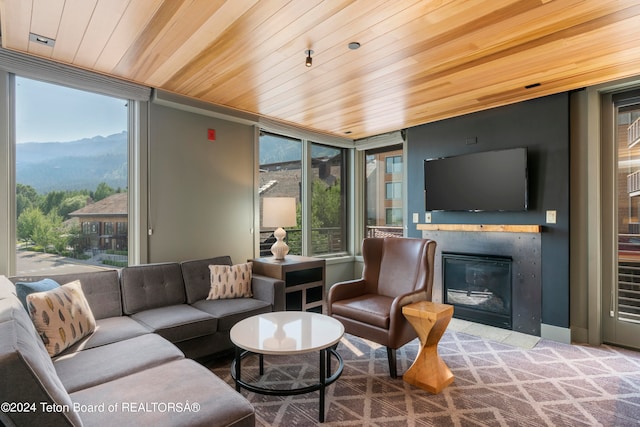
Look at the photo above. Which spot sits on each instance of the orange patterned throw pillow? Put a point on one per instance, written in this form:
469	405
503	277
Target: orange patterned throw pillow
62	316
230	281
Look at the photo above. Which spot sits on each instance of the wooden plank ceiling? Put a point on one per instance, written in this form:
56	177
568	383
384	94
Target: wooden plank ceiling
419	61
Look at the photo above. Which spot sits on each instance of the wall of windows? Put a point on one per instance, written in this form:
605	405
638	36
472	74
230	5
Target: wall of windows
315	175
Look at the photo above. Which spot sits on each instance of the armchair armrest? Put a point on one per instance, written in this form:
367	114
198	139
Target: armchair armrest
270	290
411	297
345	290
404	299
396	316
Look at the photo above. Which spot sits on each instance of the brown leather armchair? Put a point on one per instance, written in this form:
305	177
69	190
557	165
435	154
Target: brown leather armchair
397	271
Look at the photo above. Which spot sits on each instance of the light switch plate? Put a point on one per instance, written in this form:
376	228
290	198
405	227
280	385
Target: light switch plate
416	217
427	217
551	217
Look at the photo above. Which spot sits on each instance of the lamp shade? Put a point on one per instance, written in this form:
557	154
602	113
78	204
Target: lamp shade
278	211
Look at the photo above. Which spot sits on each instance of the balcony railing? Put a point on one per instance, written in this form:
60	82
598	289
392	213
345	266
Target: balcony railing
634	133
384	231
633	183
327	240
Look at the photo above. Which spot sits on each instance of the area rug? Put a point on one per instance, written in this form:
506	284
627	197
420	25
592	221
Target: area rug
495	384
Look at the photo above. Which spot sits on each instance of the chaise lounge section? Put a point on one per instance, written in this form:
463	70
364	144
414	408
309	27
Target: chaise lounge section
132	369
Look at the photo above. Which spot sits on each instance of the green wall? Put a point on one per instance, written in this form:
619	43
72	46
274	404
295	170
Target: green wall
201	193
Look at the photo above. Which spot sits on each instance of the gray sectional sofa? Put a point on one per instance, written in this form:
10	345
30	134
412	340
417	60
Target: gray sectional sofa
132	369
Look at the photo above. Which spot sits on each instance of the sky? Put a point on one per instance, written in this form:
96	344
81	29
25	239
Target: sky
51	113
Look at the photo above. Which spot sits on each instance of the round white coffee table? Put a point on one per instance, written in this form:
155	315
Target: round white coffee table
287	333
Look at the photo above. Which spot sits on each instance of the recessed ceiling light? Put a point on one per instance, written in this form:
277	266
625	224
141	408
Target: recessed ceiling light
354	45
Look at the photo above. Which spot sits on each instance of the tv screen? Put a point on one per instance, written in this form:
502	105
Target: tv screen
487	181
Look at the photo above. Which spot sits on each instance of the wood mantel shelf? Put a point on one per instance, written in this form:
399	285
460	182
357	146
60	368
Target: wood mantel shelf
501	228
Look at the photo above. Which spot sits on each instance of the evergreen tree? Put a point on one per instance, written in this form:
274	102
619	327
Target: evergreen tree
103	191
26	197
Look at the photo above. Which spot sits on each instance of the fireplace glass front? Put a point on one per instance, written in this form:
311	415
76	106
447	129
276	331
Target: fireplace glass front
479	287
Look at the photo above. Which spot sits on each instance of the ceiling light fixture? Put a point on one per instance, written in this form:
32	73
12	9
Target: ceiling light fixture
354	45
309	60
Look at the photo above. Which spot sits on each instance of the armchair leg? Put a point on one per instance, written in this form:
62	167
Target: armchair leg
391	355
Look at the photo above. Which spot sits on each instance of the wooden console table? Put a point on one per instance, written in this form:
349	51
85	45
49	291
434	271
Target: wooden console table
304	279
430	320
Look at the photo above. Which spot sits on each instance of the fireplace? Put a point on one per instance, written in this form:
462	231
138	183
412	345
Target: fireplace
479	287
524	248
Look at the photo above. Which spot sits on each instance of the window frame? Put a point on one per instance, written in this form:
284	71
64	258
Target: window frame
384	155
343	195
137	102
390	211
307	141
396	190
393	161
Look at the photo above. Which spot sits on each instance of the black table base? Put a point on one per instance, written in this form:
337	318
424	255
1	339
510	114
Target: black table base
326	377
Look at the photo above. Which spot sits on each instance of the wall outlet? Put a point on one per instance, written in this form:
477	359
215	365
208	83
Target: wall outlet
416	217
427	217
551	217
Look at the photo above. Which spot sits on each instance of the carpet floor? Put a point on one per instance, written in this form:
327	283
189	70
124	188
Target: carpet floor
495	384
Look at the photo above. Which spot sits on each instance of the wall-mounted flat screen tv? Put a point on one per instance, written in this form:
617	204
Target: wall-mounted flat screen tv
486	181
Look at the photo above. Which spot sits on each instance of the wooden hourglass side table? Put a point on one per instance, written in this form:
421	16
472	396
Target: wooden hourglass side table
430	320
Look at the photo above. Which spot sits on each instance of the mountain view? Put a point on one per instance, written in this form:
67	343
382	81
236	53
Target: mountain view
75	165
276	149
83	164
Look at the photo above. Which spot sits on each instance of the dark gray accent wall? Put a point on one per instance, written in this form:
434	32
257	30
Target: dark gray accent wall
541	125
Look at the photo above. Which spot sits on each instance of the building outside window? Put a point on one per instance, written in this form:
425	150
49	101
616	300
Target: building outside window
383	192
101	217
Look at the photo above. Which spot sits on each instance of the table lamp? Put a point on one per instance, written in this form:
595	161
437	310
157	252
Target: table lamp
279	212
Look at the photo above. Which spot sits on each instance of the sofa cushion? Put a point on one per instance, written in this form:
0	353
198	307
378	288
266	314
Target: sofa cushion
231	311
371	309
26	369
230	281
197	277
177	322
62	316
212	402
98	365
150	286
101	289
27	288
109	330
